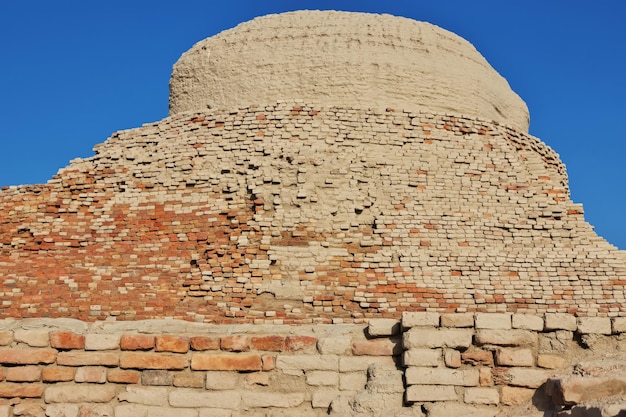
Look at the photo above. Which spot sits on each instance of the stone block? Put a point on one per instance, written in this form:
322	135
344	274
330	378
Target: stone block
33	338
67	340
594	325
485	396
156	377
420	319
514	357
322	398
352	381
449	409
94	410
506	337
485	377
422	357
226	362
78	358
22	374
62	410
529	378
383	327
334	345
434	338
452	358
575	389
93	374
6	338
376	347
5	411
528	322
102	341
619	325
151	360
169	412
299	363
551	361
322	378
361	363
221	380
131	410
213	412
28	410
144	395
136	342
27	356
457	320
560	321
254	399
83	393
501	321
227	399
516	395
441	376
430	393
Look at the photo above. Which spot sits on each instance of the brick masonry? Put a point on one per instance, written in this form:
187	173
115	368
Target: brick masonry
422	362
295	214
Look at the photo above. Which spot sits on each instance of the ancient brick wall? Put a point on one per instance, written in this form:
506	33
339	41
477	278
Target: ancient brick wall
294	214
426	364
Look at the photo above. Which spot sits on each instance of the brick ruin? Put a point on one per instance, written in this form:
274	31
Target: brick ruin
279	236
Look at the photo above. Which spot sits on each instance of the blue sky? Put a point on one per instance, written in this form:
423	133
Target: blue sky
73	72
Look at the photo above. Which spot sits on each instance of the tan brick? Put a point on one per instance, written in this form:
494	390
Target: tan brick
226	362
123	376
6	338
23	374
149	360
449	409
441	376
227	399
322	378
420	318
529	378
222	380
238	343
67	340
255	399
298	363
361	363
189	380
15	390
485	377
60	410
136	342
506	337
168	343
204	343
516	395
432	338
322	398
91	374
383	327
352	381
514	357
88	358
102	341
424	393
57	374
486	396
551	361
422	357
156	396
27	356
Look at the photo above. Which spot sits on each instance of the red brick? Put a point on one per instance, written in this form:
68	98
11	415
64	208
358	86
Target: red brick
57	374
177	344
269	362
205	343
123	376
27	356
226	362
268	343
88	358
237	343
300	343
147	360
478	357
12	390
383	347
136	342
67	340
23	374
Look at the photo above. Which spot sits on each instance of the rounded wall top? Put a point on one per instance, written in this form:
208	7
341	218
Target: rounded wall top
343	59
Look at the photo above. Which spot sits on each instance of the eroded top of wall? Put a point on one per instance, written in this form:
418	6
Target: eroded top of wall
346	59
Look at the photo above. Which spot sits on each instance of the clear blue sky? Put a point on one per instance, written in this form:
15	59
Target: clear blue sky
73	72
